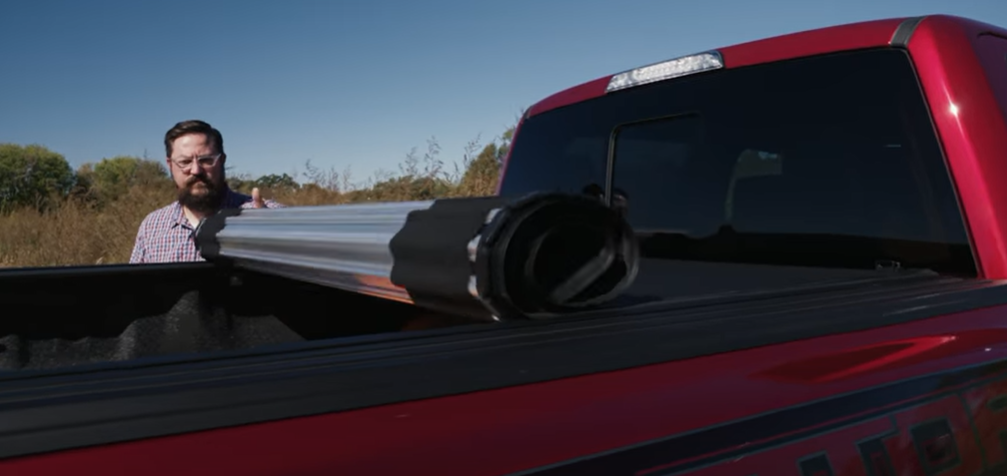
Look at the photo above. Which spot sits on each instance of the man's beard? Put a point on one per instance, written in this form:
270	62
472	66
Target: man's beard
207	201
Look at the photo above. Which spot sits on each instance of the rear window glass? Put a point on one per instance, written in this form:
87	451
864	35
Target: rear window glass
828	161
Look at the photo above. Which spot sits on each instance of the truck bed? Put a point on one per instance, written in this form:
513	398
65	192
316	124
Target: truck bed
196	308
79	315
311	351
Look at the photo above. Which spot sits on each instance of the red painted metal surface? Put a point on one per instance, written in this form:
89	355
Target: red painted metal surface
991	48
501	431
575	94
852	36
971	124
806	43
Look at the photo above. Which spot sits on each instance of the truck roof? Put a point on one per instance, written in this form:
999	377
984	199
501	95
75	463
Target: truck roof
833	39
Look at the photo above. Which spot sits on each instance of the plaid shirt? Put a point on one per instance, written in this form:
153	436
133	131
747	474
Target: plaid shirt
165	235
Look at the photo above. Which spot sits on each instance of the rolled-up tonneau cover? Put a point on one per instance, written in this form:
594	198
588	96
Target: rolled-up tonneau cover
536	256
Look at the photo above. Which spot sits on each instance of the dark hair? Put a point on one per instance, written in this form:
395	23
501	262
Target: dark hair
193	127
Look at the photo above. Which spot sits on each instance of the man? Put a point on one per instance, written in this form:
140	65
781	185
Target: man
195	159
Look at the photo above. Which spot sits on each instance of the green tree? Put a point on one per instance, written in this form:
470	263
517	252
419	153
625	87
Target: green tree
277	182
32	175
242	183
480	176
111	178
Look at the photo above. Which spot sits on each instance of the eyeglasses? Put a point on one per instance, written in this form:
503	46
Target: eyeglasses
206	161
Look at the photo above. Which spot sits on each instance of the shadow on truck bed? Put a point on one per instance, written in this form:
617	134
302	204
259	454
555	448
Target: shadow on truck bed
56	317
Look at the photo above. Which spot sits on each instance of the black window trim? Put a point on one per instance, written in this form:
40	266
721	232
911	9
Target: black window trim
612	144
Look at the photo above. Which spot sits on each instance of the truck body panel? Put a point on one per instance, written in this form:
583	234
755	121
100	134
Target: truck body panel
944	50
802	398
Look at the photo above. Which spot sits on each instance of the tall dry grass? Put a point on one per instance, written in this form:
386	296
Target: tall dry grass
78	231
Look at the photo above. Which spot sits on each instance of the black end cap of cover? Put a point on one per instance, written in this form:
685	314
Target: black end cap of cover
540	255
550	253
430	254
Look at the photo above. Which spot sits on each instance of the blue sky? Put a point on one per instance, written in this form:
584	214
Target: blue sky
350	82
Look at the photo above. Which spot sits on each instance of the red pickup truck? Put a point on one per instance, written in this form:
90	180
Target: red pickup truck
820	292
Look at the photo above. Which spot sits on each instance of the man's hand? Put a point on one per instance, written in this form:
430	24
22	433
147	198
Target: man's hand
257	201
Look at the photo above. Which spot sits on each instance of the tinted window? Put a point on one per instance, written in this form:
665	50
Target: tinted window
828	161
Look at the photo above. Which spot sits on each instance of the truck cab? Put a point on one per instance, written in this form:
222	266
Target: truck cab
858	146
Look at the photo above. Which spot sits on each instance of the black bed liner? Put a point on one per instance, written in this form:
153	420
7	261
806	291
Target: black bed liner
58	317
59	409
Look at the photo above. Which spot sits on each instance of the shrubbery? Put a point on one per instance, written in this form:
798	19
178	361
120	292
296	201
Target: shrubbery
51	215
